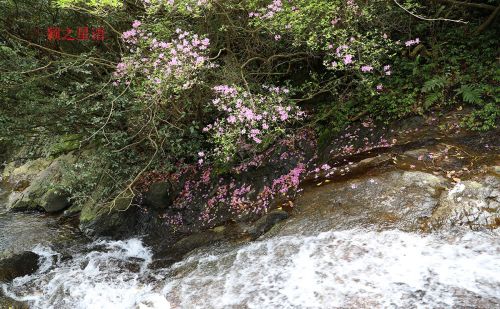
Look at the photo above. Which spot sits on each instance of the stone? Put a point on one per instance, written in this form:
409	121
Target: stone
195	241
55	200
19	177
40	192
390	200
266	222
159	195
18	265
471	203
116	222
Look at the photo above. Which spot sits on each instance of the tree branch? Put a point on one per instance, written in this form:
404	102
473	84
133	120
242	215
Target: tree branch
471	4
428	19
488	21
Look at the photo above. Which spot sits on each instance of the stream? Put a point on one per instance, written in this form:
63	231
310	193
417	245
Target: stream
336	269
415	228
303	262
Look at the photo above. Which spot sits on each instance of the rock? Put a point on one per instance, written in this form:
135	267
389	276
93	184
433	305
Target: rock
169	254
471	203
55	200
65	144
419	154
195	241
18	265
391	200
265	223
159	195
117	222
19	177
9	303
40	193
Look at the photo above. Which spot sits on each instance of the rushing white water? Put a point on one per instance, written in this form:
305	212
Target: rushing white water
110	277
338	269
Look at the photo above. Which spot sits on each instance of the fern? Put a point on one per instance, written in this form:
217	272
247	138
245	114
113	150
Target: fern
432	98
471	93
434	84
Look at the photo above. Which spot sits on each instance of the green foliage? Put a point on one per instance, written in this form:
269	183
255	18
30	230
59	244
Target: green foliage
92	3
485	118
470	93
345	60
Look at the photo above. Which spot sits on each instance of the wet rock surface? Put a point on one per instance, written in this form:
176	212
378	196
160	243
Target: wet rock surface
18	265
9	303
264	224
472	203
397	199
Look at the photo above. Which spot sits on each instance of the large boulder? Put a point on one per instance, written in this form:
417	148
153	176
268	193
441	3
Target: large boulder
18	177
40	193
55	200
18	265
394	199
118	220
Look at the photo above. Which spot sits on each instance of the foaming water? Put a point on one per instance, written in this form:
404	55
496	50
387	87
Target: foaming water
338	269
354	269
110	275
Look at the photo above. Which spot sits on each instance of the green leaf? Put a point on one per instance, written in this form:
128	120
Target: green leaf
471	94
434	84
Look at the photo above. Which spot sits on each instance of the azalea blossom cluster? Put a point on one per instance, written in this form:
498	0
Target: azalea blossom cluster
163	65
342	57
412	42
337	30
249	118
269	11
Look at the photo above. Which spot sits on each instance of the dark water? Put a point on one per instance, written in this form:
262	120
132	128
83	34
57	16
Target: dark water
23	231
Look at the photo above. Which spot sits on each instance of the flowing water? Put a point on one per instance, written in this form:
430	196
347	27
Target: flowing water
23	231
356	267
337	269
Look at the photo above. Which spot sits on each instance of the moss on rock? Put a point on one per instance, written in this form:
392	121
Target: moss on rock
41	193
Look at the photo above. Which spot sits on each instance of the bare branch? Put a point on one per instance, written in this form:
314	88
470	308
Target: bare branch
428	19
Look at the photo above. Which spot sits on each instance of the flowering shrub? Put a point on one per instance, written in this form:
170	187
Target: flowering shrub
338	29
160	67
248	120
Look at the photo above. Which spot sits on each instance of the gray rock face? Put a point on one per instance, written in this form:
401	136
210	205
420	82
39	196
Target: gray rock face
55	200
18	265
38	194
407	200
264	224
473	203
120	222
397	199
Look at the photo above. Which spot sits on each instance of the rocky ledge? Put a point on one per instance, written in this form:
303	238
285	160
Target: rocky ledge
422	174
